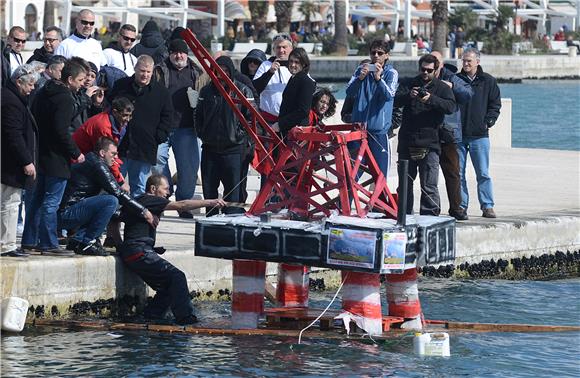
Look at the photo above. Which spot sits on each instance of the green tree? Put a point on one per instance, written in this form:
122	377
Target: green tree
440	19
283	13
464	17
259	13
340	41
307	8
504	13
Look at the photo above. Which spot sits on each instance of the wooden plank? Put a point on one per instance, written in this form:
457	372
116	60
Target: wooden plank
493	327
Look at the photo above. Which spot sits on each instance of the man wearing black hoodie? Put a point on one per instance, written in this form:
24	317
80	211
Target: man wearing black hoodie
426	100
151	43
53	110
224	139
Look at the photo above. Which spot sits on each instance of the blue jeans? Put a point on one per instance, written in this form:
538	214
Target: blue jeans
186	150
41	216
478	149
138	172
162	165
89	217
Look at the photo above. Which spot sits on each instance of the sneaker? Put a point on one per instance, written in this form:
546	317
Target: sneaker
57	252
459	214
109	242
93	248
488	213
31	250
72	244
188	320
18	252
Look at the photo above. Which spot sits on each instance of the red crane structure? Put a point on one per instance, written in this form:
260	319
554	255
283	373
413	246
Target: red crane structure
315	171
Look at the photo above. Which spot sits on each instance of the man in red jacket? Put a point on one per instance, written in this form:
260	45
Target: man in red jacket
109	124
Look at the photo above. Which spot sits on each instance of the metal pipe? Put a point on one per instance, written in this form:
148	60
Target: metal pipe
403	170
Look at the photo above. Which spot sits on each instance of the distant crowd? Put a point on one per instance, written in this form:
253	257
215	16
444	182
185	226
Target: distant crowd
86	135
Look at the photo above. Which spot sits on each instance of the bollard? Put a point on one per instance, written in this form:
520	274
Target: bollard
572	51
403	298
248	293
293	285
361	295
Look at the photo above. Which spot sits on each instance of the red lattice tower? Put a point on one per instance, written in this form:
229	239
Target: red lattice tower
317	170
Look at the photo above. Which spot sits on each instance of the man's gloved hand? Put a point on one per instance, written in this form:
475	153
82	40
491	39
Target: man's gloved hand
490	122
159	250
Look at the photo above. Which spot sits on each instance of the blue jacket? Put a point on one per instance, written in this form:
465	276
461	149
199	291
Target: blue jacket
374	99
463	93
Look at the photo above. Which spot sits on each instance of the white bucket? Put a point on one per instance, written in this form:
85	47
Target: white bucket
14	312
432	344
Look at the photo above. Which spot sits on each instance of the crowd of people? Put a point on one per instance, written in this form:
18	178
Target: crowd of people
78	121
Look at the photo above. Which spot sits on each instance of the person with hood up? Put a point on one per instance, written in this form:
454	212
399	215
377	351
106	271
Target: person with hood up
224	140
251	62
151	43
373	87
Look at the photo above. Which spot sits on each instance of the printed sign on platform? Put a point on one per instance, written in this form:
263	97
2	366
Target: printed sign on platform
349	247
394	246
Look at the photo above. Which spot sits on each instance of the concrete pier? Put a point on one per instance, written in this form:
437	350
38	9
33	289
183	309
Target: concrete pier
537	201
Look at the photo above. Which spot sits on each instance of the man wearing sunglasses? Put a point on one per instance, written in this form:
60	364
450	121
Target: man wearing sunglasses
12	59
425	100
51	40
81	43
118	54
373	86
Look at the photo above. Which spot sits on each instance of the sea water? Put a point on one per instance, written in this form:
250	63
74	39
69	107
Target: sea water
57	352
545	113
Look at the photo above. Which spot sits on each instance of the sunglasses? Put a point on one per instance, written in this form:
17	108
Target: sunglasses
18	40
428	70
282	36
85	22
378	52
128	39
50	40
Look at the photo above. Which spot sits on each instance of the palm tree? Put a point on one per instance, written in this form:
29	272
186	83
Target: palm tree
259	13
440	19
340	42
283	13
307	8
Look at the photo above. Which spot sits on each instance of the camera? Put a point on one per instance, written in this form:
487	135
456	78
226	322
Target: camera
422	92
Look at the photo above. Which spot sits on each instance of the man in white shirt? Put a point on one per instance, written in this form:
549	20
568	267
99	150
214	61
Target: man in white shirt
118	54
81	43
272	76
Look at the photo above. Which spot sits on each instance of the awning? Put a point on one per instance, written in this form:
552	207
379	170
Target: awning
236	11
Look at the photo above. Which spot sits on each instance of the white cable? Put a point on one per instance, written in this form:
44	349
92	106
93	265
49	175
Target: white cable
324	311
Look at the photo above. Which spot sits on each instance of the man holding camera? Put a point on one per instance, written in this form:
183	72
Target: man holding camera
426	100
373	86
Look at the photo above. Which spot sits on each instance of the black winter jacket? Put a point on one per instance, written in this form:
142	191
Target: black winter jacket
152	43
216	124
40	55
89	179
152	119
481	112
296	102
421	121
53	109
19	138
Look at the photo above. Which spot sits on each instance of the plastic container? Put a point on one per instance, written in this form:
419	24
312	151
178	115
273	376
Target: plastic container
432	344
14	312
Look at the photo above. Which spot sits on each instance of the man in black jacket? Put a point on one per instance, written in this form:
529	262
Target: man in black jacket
477	117
53	110
426	100
86	211
150	126
19	153
52	38
223	141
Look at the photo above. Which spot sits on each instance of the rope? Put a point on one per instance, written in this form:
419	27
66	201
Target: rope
324	311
